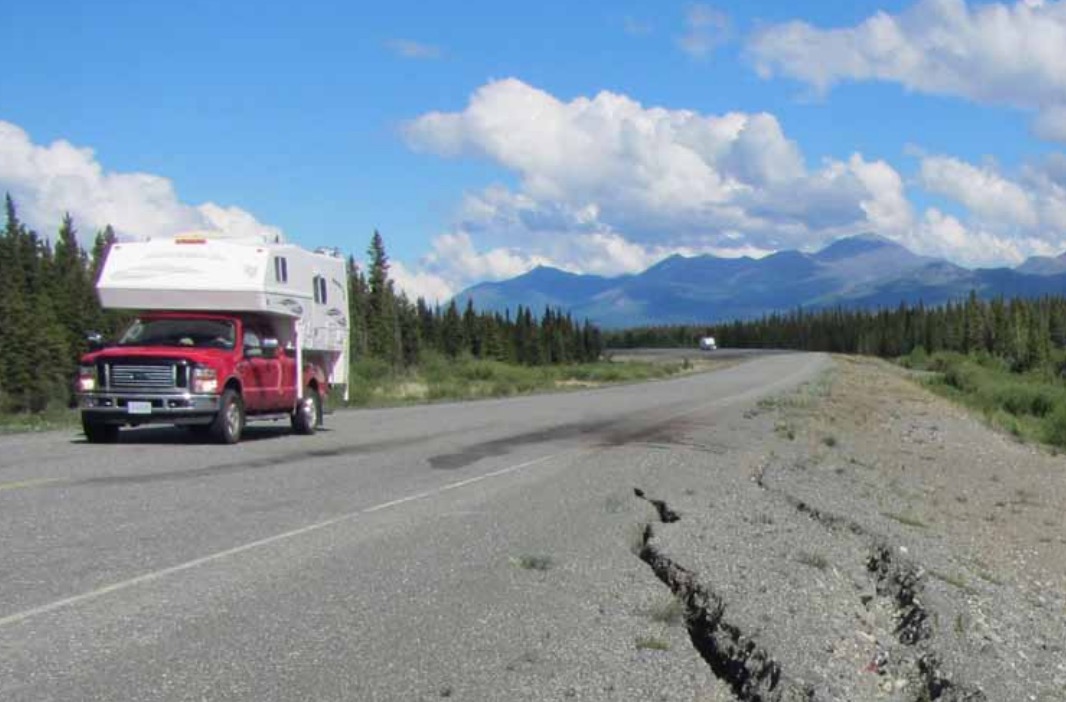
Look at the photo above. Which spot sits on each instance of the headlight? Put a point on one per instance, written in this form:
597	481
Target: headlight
204	380
86	378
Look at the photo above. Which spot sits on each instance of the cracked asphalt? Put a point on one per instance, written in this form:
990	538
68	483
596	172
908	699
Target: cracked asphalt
478	551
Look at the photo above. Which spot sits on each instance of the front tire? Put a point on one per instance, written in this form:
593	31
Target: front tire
229	422
97	432
305	417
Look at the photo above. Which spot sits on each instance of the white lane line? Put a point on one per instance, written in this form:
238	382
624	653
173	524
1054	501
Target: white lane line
188	565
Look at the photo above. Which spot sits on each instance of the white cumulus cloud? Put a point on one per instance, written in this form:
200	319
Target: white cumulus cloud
943	235
986	193
47	181
677	177
1007	218
421	284
607	185
993	53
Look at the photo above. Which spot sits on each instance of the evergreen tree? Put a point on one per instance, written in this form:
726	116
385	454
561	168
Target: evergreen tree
472	331
382	324
974	336
358	311
410	339
452	341
74	293
36	362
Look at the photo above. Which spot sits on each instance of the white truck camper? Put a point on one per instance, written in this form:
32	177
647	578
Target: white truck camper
199	271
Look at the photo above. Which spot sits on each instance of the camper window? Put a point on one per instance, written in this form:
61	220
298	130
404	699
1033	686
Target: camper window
281	271
320	290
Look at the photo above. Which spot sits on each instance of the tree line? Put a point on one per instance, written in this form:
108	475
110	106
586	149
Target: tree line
1023	332
48	304
388	326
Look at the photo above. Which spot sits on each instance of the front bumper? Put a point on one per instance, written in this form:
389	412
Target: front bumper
116	407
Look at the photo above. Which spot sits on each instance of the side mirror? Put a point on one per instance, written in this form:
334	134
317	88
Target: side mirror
270	347
95	340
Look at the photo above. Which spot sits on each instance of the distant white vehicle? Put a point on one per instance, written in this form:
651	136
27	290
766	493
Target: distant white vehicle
707	343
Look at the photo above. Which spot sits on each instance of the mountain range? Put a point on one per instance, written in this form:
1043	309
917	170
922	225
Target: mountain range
866	271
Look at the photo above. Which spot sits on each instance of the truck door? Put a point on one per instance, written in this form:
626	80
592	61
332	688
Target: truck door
288	392
262	375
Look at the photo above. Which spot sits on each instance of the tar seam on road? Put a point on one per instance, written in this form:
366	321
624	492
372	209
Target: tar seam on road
188	565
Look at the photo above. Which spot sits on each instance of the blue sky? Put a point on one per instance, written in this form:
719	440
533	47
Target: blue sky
482	138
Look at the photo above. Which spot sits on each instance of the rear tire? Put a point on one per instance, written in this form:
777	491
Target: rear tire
229	422
97	432
305	418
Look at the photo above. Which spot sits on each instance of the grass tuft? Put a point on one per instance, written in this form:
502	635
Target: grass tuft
814	560
906	519
533	562
669	611
652	643
954	580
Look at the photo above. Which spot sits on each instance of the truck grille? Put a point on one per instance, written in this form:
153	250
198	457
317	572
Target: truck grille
128	376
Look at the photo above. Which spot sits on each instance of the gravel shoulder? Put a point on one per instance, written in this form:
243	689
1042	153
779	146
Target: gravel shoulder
863	539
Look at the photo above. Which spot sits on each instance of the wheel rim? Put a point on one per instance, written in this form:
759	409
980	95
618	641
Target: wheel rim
233	418
308	410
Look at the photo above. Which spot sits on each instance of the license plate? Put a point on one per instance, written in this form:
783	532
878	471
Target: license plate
139	407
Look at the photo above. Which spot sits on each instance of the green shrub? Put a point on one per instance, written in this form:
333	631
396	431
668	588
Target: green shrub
994	363
961	377
1054	427
940	362
1019	399
917	359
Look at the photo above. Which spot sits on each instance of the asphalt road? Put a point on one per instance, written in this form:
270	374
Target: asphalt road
477	551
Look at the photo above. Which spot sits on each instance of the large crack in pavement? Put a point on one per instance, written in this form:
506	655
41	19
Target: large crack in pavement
747	667
901	582
666	515
734	657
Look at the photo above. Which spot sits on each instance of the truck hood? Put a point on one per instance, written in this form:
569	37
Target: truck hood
169	353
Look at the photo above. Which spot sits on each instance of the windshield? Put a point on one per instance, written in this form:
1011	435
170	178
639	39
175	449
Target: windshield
198	333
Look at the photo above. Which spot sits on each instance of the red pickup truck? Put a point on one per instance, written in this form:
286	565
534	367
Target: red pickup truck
210	372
